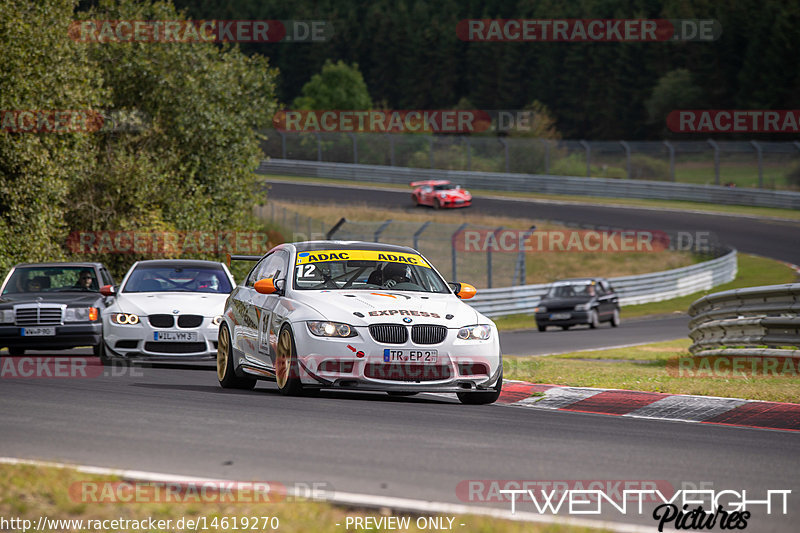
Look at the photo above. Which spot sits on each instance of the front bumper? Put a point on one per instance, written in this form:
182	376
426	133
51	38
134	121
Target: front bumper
575	317
139	342
360	363
67	336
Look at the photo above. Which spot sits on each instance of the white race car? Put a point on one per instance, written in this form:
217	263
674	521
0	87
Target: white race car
166	310
357	316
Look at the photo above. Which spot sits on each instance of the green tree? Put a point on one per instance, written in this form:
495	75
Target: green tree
338	86
674	90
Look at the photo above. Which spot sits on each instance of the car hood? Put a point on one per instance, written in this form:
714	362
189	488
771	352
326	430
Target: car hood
390	307
457	194
70	298
150	303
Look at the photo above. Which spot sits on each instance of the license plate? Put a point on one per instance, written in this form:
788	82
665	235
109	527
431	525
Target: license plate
410	356
186	336
560	316
38	332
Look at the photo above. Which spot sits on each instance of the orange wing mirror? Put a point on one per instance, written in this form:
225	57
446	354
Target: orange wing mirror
465	291
266	286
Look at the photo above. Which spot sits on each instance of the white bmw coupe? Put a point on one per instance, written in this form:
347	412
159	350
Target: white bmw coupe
357	316
166	310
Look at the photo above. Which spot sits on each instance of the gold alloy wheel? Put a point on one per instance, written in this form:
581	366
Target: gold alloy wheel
222	352
283	359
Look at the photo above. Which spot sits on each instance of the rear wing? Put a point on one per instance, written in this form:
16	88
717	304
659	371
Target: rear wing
242	258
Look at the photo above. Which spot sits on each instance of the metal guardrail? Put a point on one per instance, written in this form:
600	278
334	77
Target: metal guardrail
601	187
632	290
752	322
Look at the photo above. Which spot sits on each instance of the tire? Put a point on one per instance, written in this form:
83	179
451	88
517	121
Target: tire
287	373
225	372
400	393
415	199
565	328
437	204
615	319
15	351
594	320
482	398
100	352
541	327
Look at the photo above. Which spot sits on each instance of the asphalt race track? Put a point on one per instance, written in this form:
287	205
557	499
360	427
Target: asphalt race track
176	419
770	238
179	421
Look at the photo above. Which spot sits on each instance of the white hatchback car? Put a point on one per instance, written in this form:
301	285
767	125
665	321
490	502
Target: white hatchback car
166	310
357	316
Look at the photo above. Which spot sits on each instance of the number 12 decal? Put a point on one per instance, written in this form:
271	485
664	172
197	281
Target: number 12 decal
306	271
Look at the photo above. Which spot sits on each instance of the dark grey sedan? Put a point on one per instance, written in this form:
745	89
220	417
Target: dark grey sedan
578	301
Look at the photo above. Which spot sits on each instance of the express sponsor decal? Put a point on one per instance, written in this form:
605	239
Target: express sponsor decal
304	258
403	312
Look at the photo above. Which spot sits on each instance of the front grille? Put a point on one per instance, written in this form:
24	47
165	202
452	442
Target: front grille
161	321
175	347
41	315
428	334
402	372
389	333
189	321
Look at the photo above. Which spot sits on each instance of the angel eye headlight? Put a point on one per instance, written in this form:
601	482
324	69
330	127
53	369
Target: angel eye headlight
479	332
217	320
330	329
124	319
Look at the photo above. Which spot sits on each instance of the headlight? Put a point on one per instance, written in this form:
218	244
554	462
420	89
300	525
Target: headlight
81	314
480	332
583	307
7	316
330	329
124	319
540	309
217	320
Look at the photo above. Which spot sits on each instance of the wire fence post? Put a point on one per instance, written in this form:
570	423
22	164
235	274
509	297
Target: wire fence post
418	233
627	158
319	146
493	242
355	147
760	164
715	146
391	149
469	153
381	229
453	248
546	156
430	140
283	143
505	152
521	263
671	160
588	158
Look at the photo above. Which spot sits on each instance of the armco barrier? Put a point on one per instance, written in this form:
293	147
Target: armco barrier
602	187
757	321
632	290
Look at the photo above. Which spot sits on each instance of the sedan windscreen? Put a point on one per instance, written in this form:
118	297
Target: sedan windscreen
571	290
51	279
366	269
178	279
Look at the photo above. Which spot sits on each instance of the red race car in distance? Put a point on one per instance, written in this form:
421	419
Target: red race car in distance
439	194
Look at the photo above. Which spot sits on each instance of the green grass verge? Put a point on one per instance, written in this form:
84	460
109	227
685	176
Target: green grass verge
753	271
30	492
789	214
644	368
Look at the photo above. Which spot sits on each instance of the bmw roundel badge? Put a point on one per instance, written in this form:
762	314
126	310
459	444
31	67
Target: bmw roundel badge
407	320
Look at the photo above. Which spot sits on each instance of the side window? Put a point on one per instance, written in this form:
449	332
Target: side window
601	290
106	277
252	277
276	266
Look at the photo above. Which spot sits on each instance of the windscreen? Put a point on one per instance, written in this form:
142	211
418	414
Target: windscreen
365	269
52	279
178	279
572	290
